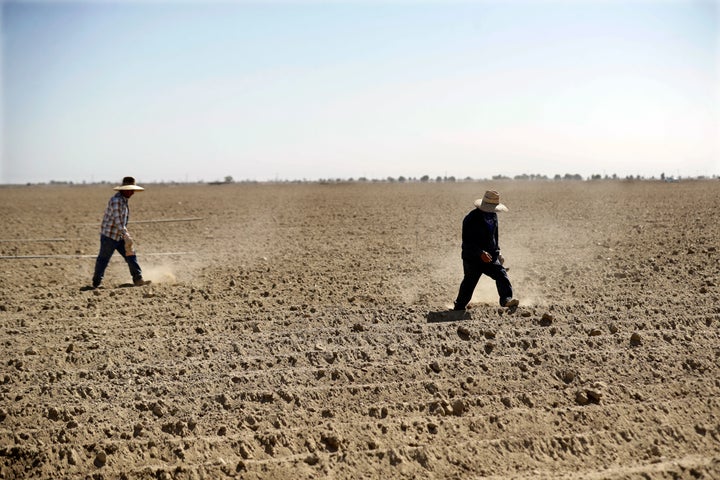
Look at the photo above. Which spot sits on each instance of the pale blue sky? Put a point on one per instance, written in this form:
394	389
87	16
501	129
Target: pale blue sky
305	90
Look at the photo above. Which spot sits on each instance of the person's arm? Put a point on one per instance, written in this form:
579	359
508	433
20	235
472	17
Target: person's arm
490	245
473	238
500	258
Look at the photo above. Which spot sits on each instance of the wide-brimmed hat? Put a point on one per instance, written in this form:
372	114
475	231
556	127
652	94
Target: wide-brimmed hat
128	183
490	202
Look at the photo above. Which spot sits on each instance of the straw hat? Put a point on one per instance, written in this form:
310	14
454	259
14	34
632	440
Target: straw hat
128	183
490	202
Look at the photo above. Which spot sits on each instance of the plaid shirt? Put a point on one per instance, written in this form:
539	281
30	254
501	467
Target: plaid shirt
116	217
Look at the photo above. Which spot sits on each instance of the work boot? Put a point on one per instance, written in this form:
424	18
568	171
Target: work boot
140	282
460	308
512	302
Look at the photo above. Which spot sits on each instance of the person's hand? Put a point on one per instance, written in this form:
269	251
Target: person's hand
129	245
501	259
126	236
485	257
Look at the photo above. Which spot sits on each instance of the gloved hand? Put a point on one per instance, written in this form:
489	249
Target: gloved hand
501	259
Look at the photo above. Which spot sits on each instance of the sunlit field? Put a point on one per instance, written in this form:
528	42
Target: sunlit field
302	331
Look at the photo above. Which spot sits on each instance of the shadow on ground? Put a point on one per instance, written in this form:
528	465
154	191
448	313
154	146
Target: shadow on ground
448	316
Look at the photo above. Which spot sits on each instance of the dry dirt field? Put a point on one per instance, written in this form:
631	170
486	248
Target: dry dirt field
300	331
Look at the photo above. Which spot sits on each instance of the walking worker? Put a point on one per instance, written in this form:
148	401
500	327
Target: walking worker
481	252
115	236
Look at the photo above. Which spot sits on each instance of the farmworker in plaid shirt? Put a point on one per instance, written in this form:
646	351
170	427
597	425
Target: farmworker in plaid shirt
114	234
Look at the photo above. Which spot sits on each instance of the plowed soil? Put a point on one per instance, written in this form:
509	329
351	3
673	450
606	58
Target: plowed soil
301	331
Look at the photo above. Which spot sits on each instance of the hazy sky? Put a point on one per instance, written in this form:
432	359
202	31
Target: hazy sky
337	89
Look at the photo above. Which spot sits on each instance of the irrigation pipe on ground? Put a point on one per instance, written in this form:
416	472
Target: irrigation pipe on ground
36	240
157	220
26	257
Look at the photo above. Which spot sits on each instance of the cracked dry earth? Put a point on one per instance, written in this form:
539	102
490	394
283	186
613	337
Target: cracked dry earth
301	331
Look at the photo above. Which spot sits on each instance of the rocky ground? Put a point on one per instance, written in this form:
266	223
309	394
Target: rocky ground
301	331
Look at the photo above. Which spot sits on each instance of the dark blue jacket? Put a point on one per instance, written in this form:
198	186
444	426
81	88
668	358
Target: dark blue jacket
480	232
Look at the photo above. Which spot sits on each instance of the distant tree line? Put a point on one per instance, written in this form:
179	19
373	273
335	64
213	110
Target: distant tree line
523	177
423	179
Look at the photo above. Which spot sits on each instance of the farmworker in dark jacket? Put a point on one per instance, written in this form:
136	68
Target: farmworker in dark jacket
481	252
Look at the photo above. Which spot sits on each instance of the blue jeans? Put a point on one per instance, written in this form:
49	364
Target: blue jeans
473	270
107	248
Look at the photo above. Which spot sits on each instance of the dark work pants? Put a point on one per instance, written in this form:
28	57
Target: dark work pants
473	270
107	248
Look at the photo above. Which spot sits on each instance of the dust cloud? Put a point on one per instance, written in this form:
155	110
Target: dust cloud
160	274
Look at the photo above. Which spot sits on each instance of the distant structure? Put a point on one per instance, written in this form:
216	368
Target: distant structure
228	179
